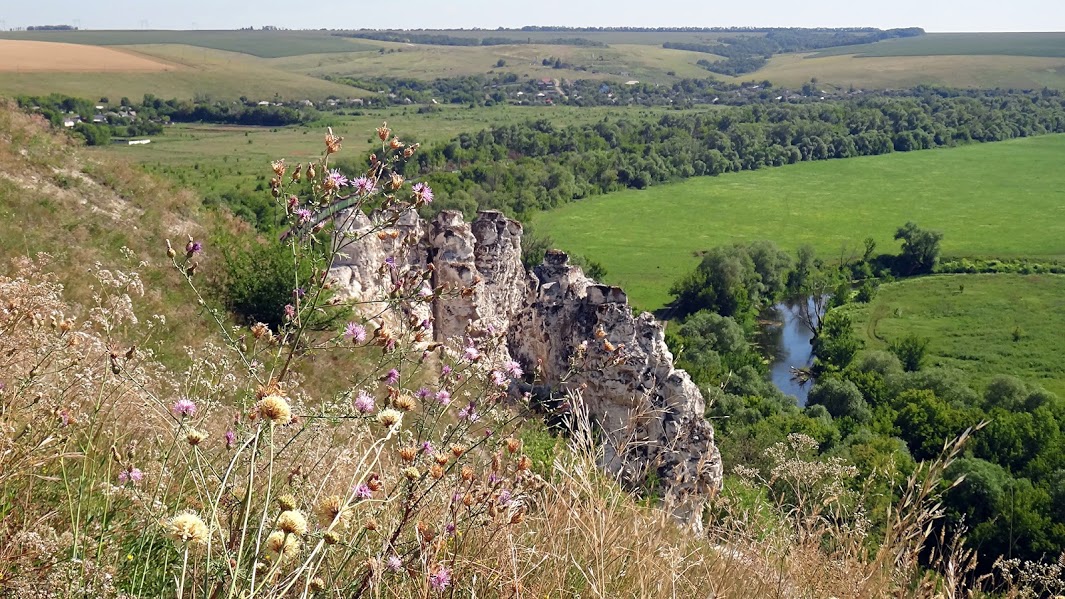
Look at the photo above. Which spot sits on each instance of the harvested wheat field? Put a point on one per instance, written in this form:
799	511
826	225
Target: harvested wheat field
36	57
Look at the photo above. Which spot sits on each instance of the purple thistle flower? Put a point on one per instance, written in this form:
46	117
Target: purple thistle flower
426	292
450	528
446	370
290	311
363	492
513	369
364	402
390	262
423	192
443	397
440	579
504	497
184	407
471	353
363	185
424	393
469	413
394	563
392	377
355	332
231	439
337	178
299	292
427	447
303	215
131	474
499	379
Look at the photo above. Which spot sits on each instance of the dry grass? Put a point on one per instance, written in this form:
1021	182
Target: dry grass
51	57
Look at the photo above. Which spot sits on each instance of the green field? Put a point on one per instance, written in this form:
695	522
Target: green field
264	44
1003	199
971	322
958	44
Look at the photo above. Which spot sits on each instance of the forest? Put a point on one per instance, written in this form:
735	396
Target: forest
536	165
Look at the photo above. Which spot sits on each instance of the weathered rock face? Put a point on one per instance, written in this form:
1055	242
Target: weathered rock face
579	336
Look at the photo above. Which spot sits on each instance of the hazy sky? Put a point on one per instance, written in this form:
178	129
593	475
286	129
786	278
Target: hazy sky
933	15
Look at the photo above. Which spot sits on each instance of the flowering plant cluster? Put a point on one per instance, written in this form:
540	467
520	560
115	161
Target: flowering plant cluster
409	463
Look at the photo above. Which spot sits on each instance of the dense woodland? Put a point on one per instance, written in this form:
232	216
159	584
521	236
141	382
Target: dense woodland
882	411
537	165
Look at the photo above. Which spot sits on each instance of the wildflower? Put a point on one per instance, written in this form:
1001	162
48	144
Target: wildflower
389	417
440	579
290	311
299	292
392	377
261	330
504	497
424	393
336	179
355	332
282	545
192	248
446	370
287	502
333	508
364	403
195	437
303	215
275	409
292	522
499	379
469	413
404	402
363	492
332	142
184	407
394	563
513	369
443	397
231	439
426	292
363	185
187	527
427	447
471	353
130	474
423	192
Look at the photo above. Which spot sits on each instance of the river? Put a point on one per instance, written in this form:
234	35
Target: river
788	339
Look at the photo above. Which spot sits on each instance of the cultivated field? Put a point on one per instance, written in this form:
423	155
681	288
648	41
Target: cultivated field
972	44
265	44
980	324
51	57
1002	199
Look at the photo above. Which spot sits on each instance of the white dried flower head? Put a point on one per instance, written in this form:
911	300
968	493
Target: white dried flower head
292	522
389	417
283	546
187	527
333	508
275	408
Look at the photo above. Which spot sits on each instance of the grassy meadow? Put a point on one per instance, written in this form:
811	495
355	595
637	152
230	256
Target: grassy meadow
980	324
1003	199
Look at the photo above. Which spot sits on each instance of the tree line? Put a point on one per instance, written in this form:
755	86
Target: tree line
537	165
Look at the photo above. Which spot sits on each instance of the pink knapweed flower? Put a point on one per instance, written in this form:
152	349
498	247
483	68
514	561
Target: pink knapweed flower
423	192
394	563
355	332
363	492
364	402
184	407
471	353
440	579
446	370
337	179
499	379
443	397
392	377
469	413
130	474
290	311
513	369
303	215
363	185
231	439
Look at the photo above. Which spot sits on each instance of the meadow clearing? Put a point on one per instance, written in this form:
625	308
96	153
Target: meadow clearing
1003	199
980	324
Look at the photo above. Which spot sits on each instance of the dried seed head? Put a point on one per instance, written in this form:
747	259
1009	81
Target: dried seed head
332	142
408	454
441	459
261	330
287	502
524	463
317	584
279	167
194	437
333	508
383	131
467	473
275	408
405	403
187	527
436	471
284	546
513	445
467	500
458	450
292	522
396	181
371	524
389	418
412	473
373	482
395	144
331	538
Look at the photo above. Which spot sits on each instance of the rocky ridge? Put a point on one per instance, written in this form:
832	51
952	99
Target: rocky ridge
579	337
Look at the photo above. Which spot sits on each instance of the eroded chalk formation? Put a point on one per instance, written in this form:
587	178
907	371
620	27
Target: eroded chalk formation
579	337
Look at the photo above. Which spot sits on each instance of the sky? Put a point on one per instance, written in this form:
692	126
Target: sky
933	15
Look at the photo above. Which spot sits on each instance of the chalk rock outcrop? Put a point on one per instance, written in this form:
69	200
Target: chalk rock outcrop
580	337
